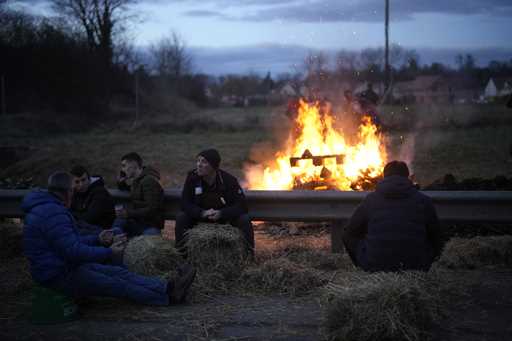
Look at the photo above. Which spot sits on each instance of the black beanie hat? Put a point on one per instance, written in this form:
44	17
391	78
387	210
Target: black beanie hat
212	156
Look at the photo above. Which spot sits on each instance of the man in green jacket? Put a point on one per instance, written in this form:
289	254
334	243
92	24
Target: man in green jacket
144	214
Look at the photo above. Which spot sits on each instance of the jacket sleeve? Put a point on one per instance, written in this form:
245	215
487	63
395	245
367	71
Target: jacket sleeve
188	204
101	206
237	203
91	240
433	229
67	243
153	199
357	227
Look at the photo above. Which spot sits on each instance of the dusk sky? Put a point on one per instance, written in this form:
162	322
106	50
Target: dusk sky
259	35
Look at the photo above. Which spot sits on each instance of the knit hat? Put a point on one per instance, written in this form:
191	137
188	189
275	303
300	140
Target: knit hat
212	156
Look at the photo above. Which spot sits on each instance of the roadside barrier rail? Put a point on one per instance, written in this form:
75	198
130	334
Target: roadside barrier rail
333	206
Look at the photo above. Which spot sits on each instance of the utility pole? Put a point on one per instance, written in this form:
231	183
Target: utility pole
136	98
2	95
387	69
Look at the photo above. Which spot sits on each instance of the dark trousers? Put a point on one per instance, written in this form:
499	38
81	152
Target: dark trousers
184	222
93	279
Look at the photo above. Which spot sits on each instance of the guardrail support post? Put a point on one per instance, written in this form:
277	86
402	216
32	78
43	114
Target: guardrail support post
337	227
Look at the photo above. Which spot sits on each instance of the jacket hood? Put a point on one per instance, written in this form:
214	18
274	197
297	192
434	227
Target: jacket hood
150	171
36	198
396	186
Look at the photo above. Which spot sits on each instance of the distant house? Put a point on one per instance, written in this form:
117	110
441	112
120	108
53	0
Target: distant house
288	91
423	89
437	89
498	87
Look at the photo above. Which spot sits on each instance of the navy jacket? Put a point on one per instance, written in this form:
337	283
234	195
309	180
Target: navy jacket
232	202
394	228
51	241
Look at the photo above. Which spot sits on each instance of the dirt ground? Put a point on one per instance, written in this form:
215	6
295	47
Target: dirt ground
479	309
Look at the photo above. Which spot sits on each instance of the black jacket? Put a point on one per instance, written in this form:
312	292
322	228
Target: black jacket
231	201
394	228
94	206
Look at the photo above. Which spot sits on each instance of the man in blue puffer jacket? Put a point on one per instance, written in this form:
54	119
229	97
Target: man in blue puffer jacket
395	228
63	260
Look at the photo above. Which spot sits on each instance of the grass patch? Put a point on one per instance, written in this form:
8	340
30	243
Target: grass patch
382	306
477	252
11	240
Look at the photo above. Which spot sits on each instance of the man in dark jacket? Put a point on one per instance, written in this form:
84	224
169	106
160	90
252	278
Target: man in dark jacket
394	228
211	194
144	214
91	202
63	260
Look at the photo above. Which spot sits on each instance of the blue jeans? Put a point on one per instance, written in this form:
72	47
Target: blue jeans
94	279
132	228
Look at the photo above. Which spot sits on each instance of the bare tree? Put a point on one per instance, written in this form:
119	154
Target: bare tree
171	57
99	20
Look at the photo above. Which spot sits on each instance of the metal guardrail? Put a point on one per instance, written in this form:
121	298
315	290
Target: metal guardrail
335	206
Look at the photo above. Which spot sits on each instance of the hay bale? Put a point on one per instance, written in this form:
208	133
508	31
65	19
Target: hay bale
217	248
472	253
381	306
281	276
11	240
151	256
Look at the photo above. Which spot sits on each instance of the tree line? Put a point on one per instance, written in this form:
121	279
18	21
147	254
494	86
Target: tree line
79	61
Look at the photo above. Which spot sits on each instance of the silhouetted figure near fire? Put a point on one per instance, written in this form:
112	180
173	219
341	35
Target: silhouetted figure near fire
368	101
395	228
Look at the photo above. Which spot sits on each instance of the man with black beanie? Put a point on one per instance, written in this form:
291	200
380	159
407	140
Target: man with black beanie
213	195
394	228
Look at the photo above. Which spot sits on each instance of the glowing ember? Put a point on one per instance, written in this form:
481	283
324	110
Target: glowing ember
318	156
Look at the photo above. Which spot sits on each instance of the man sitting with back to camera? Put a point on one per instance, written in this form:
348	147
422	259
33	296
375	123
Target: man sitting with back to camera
212	195
81	266
394	228
91	205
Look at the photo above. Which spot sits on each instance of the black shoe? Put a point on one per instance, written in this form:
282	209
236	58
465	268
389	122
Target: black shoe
180	286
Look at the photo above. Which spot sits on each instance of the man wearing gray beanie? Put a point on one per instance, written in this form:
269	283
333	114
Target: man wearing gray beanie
213	195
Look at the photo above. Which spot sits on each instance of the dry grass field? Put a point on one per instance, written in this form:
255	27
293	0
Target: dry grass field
462	140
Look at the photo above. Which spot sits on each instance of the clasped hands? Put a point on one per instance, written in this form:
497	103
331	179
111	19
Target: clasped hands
211	214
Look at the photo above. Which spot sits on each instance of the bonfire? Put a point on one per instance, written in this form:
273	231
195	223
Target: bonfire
318	155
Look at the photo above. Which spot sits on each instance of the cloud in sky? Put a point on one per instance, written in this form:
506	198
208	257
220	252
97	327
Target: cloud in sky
357	11
327	10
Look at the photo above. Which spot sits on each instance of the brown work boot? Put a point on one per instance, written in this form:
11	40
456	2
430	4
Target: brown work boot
178	288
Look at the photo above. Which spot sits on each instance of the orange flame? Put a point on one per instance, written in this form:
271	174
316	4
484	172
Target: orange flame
315	131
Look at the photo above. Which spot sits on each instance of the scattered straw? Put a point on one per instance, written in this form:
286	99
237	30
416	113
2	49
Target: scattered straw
151	256
281	276
382	306
473	253
308	256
